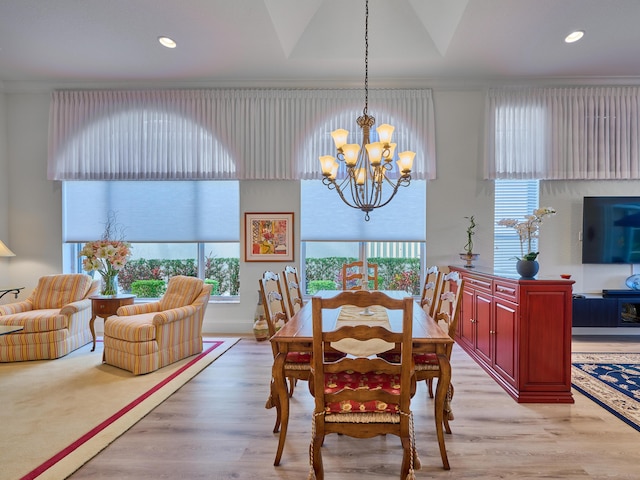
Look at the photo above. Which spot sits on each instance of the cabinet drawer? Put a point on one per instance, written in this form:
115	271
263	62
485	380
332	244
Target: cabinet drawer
506	290
478	283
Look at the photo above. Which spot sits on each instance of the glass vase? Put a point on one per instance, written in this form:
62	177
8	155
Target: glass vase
109	285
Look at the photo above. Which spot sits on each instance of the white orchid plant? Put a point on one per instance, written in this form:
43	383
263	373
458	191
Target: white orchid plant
528	230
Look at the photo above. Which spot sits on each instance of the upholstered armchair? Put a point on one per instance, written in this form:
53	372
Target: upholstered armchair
147	336
55	319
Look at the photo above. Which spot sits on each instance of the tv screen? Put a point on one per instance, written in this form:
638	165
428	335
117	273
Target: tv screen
611	230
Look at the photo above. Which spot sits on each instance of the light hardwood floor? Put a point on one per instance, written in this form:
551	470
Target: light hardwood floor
216	427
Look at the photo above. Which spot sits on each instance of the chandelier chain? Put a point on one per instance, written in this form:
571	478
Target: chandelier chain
360	173
366	58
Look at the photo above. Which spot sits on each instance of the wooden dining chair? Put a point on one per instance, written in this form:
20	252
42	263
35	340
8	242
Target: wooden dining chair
291	284
447	314
432	284
353	277
362	397
297	364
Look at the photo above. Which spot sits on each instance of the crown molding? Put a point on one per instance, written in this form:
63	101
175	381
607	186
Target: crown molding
435	83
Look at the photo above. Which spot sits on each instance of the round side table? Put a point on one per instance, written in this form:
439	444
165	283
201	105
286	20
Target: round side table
104	306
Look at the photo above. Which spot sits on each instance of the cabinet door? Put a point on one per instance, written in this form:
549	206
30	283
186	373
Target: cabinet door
466	325
505	334
483	322
595	312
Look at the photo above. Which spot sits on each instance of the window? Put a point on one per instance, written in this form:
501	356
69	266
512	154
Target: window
513	199
333	233
399	264
175	227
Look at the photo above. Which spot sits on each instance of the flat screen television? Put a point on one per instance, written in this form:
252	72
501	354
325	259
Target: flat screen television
611	230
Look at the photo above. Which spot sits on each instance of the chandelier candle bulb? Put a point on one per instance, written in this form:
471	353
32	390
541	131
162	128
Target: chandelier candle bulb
340	137
350	152
375	153
389	151
334	171
384	133
405	161
327	162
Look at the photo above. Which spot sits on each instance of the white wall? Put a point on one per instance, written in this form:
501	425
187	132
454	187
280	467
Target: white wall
31	206
4	190
459	191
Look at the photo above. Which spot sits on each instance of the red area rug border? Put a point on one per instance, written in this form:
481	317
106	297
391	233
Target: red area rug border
97	429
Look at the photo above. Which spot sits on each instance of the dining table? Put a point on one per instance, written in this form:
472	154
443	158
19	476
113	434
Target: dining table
297	336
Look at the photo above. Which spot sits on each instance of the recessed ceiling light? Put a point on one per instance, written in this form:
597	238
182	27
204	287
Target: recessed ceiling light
167	42
574	36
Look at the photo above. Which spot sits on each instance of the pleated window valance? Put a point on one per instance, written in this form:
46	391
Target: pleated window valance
563	133
222	133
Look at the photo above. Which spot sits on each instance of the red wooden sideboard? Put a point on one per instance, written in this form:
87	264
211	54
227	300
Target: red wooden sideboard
519	332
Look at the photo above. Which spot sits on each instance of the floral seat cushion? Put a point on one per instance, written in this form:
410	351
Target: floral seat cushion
305	357
420	359
298	357
350	380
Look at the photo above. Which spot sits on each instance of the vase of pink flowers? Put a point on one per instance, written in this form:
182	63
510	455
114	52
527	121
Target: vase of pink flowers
107	257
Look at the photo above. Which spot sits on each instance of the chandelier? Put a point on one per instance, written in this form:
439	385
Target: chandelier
368	181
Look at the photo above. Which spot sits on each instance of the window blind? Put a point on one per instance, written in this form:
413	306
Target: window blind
325	217
513	199
162	211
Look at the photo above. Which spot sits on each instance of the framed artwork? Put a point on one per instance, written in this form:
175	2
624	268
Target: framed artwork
268	237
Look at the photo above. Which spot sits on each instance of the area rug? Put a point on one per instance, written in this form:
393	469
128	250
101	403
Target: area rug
55	415
612	380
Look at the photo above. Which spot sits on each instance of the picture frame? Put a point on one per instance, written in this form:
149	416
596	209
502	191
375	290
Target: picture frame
268	237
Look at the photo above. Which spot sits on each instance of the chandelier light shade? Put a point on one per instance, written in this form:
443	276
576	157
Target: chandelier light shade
368	179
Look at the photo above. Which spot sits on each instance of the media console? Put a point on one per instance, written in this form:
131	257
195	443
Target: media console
614	308
626	292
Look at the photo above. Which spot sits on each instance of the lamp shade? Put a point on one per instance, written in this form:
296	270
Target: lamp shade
4	251
384	132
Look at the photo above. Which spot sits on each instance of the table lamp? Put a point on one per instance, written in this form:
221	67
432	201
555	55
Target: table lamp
4	251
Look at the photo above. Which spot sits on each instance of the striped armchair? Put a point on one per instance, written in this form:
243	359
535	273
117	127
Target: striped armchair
147	336
55	318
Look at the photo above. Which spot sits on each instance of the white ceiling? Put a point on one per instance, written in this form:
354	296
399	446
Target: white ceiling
315	42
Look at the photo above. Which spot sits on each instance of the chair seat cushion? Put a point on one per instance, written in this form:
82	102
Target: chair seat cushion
420	359
305	357
425	359
33	321
132	328
298	357
350	380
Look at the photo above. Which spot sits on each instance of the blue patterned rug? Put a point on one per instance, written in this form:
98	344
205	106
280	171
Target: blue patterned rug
612	380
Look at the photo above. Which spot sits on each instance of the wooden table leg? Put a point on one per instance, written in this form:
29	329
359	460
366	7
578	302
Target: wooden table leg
93	331
282	402
442	388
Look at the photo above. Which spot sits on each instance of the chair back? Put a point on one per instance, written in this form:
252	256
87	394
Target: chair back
56	291
449	302
362	399
353	277
275	312
432	284
363	396
181	291
292	287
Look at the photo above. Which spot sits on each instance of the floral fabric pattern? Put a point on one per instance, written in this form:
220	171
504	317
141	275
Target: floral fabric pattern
351	380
